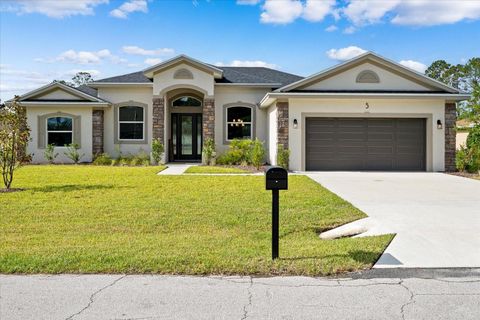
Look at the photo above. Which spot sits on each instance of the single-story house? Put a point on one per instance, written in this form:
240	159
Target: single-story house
368	113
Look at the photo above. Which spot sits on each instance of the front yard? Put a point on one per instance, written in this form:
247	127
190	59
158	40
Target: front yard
85	219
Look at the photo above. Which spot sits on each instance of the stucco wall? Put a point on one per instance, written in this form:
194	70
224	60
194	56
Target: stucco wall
347	81
272	139
226	95
85	114
432	110
164	81
119	95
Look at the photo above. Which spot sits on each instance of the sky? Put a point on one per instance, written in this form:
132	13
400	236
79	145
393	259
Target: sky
43	40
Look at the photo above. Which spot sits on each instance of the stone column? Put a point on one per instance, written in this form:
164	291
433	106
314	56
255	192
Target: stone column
208	118
450	136
282	124
158	120
97	132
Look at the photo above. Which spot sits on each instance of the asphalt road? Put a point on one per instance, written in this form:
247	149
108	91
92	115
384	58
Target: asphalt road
376	294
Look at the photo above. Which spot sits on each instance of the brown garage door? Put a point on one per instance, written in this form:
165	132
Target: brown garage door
365	144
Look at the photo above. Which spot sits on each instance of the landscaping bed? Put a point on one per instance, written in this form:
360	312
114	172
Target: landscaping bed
224	169
88	219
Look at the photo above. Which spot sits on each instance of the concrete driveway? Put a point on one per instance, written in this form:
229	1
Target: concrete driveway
436	216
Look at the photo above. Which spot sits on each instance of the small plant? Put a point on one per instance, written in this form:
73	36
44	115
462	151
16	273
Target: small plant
208	152
50	154
257	153
103	159
468	159
140	159
157	150
283	156
72	153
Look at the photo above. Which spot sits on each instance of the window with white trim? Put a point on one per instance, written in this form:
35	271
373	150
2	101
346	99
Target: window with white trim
131	123
59	131
239	123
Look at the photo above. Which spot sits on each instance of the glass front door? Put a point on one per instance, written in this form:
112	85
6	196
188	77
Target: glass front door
187	136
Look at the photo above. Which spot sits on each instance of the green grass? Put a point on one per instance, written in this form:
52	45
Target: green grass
215	169
86	219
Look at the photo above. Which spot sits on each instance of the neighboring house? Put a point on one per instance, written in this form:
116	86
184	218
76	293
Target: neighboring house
368	113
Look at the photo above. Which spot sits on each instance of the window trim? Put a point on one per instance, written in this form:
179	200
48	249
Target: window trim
188	96
61	131
227	106
144	122
42	128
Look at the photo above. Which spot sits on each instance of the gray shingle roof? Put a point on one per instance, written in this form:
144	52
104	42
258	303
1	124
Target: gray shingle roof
88	90
135	77
230	75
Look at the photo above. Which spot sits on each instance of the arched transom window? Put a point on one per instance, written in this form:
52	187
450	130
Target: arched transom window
186	101
59	131
239	122
367	76
131	122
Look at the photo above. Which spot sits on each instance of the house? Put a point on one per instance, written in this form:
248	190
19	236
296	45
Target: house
368	113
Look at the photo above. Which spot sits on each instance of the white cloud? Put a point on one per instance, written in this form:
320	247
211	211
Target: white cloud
281	11
248	2
331	28
145	52
55	8
84	57
415	65
128	7
152	61
248	63
316	10
345	53
362	12
349	30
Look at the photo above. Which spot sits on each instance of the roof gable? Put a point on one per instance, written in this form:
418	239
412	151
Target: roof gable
183	59
347	76
58	92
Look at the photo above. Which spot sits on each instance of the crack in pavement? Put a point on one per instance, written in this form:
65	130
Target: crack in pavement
93	295
409	302
249	304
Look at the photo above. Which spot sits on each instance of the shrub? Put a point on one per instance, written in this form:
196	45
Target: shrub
140	159
50	154
257	153
243	152
283	156
72	153
157	150
473	138
103	159
208	152
468	159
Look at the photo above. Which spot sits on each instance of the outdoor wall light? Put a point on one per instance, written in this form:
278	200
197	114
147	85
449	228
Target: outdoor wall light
295	123
439	124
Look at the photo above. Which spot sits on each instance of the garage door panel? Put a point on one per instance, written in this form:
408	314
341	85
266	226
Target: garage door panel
365	144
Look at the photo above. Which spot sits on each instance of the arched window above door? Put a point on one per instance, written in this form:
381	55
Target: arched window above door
186	101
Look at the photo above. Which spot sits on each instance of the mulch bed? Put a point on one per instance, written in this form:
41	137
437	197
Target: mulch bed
465	175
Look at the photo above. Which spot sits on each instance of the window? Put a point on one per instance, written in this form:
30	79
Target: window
367	76
186	101
131	123
59	131
239	123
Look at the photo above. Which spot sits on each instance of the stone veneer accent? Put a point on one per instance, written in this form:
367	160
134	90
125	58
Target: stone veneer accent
97	132
450	136
208	118
282	124
158	119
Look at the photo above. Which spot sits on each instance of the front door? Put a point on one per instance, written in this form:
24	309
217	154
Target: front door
187	136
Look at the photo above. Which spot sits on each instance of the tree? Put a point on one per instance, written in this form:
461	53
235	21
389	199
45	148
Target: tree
67	83
14	137
82	78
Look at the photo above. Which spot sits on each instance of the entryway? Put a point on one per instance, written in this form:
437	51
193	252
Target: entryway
186	136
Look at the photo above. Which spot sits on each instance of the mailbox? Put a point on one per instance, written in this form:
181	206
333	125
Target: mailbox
276	178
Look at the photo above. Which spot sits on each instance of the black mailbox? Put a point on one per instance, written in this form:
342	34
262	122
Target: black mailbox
276	178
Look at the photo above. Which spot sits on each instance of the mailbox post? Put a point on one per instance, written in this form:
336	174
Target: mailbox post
276	178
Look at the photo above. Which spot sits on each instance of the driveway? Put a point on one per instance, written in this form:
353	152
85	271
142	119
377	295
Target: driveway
436	216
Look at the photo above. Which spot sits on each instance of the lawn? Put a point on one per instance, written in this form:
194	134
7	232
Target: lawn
86	219
215	169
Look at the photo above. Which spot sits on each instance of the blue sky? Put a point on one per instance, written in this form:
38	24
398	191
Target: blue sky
42	40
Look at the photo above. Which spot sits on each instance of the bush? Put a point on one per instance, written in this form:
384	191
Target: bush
473	138
157	150
468	159
283	156
72	153
140	159
243	152
50	154
208	152
103	159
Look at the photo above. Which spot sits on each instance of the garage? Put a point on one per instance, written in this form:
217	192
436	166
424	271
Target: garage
369	144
